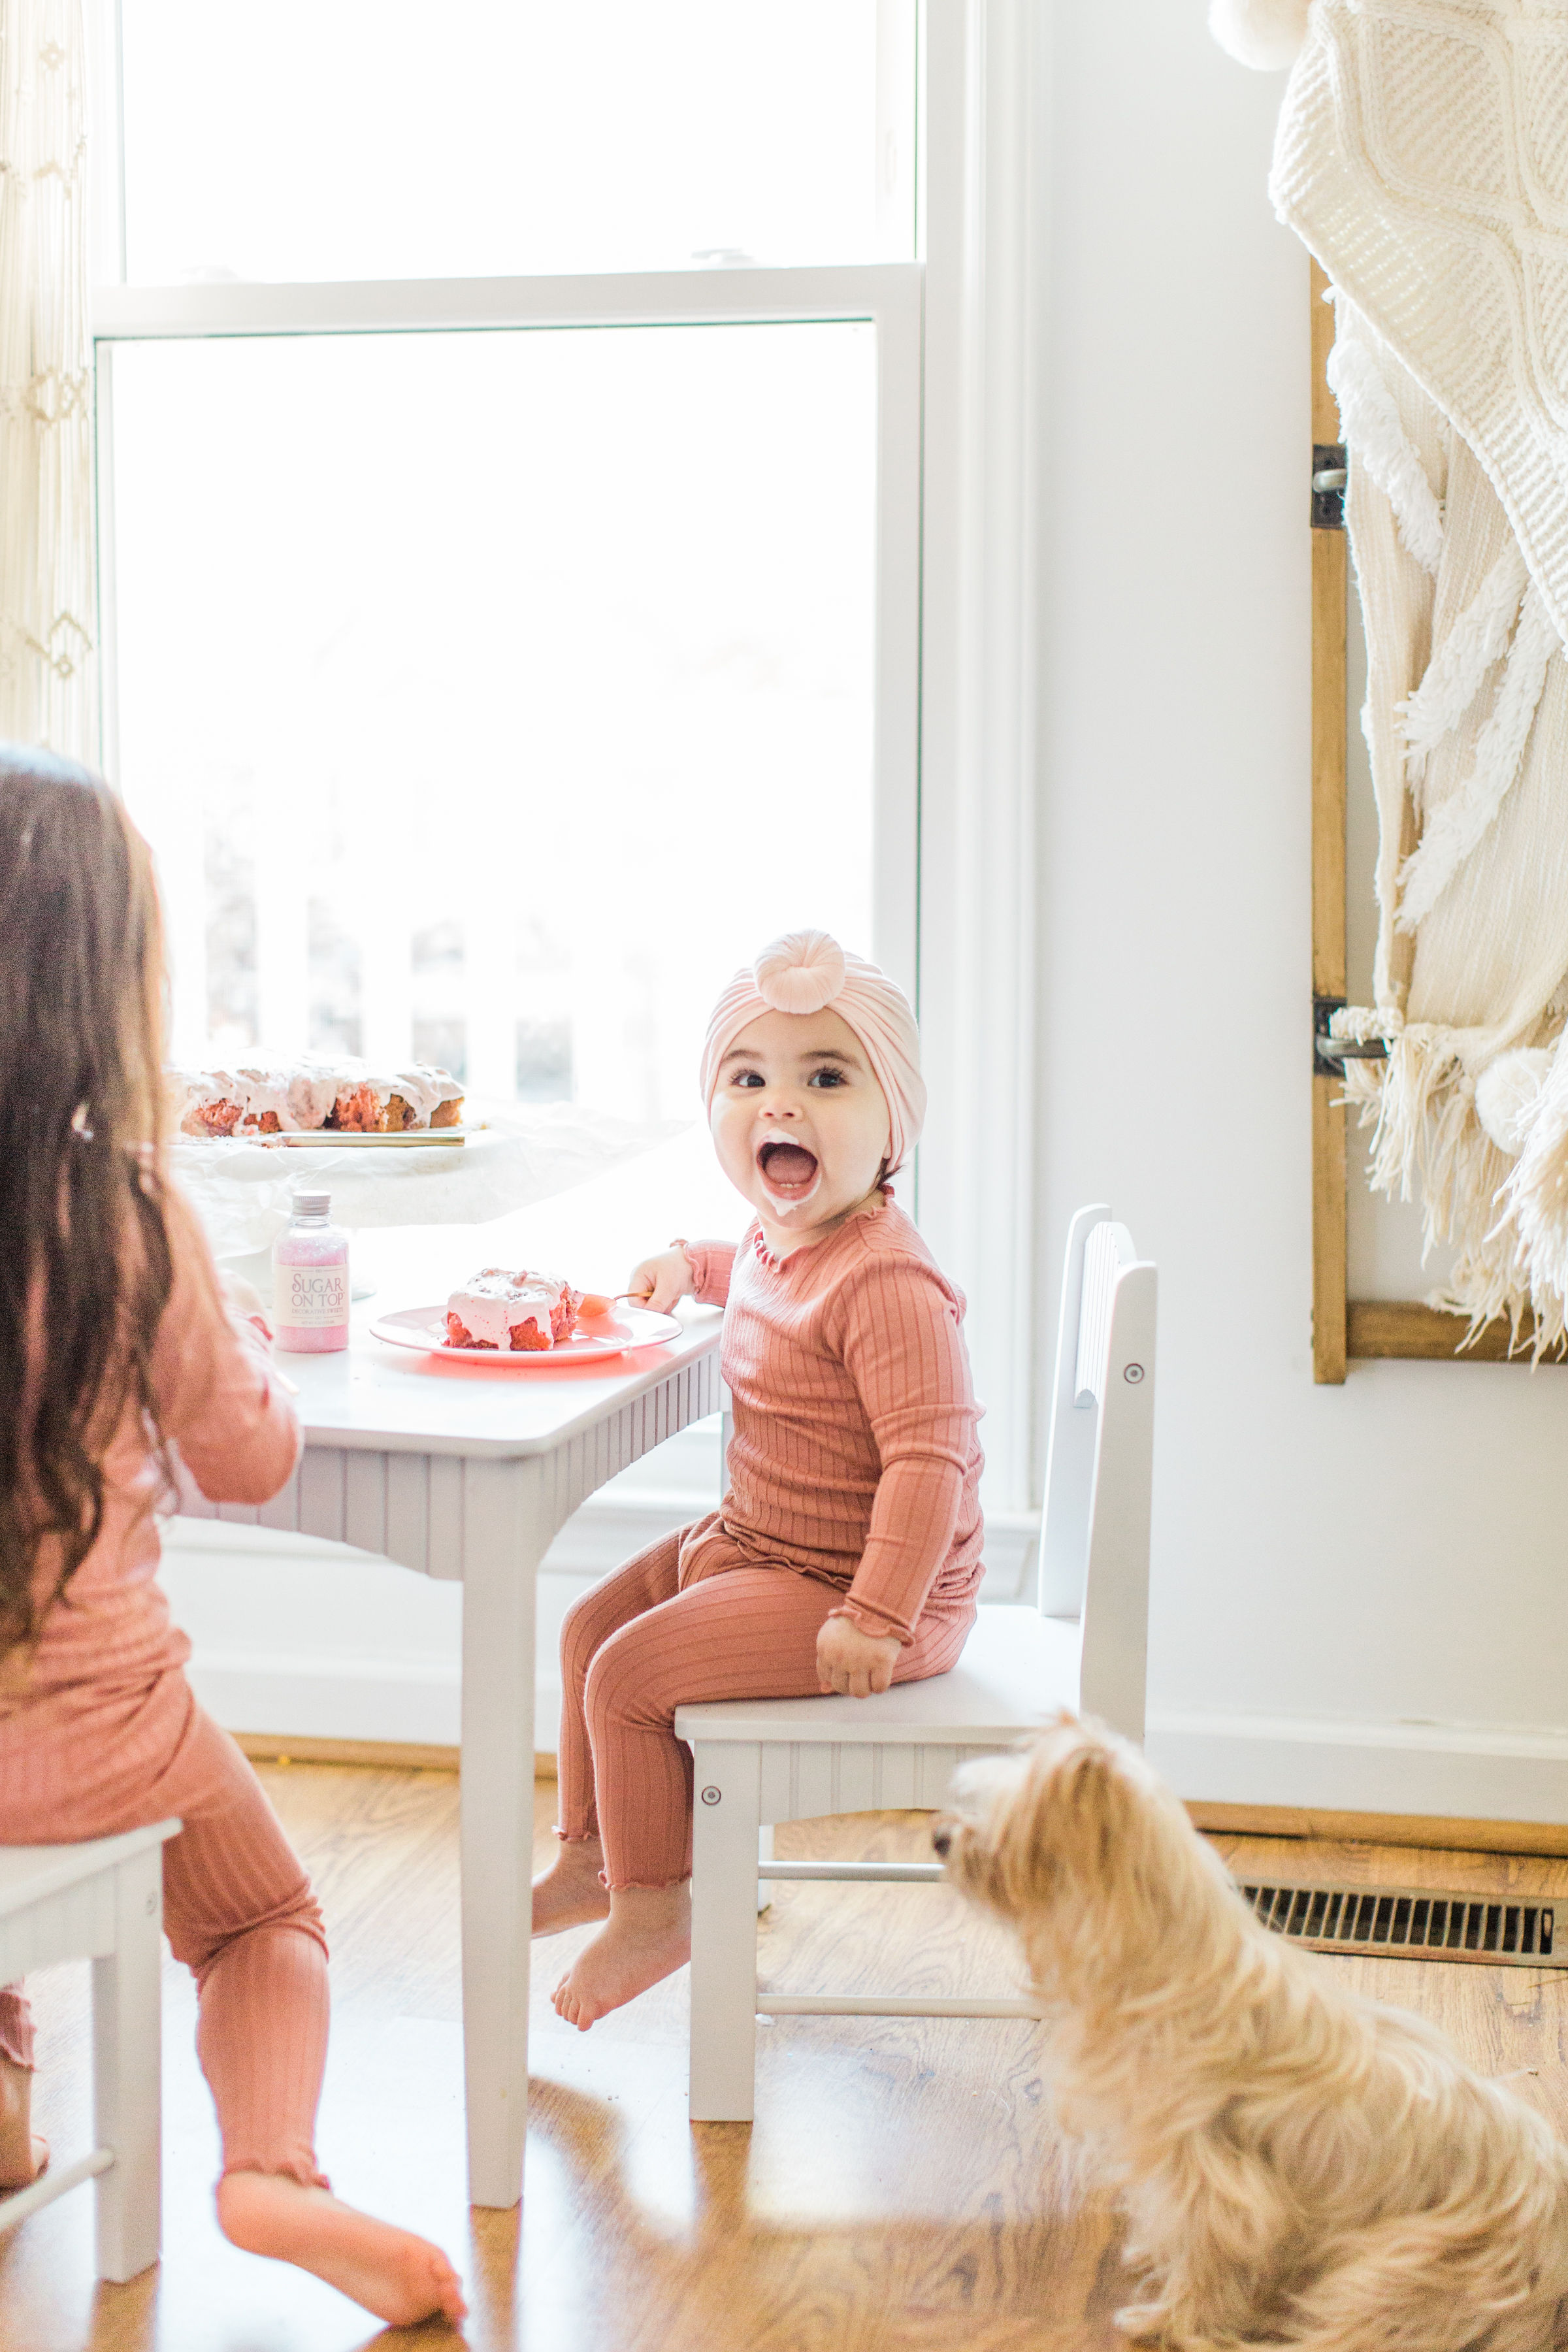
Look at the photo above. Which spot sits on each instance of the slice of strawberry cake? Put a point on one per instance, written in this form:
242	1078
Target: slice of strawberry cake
511	1311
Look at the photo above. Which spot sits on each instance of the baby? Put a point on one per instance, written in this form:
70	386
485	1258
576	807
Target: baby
847	1553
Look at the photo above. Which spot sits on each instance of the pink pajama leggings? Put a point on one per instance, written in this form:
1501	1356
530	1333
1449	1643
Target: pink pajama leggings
238	1908
690	1619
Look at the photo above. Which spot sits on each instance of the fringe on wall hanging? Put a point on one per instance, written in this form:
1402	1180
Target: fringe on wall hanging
1422	155
47	594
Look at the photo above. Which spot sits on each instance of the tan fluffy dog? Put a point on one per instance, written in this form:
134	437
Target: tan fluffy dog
1299	2166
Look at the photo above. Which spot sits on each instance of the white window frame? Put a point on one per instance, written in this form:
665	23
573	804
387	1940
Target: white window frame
960	385
885	295
987	143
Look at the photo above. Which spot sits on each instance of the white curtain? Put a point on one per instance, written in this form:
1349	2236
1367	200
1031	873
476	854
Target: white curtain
1423	156
48	615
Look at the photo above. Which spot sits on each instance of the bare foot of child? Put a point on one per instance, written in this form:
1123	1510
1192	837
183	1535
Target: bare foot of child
23	2155
570	1892
648	1937
399	2277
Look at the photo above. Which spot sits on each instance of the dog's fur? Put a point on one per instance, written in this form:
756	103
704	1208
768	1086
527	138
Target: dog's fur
1299	2166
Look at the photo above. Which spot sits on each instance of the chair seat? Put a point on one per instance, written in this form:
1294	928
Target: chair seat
1017	1669
30	1872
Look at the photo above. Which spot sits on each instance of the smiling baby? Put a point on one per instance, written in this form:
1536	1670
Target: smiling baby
847	1553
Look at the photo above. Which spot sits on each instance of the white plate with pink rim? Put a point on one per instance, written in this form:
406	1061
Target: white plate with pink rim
425	1327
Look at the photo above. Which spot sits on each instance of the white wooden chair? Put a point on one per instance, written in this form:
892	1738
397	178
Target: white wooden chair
1080	1645
101	1901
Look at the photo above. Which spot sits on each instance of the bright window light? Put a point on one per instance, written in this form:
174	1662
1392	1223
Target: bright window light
338	139
489	697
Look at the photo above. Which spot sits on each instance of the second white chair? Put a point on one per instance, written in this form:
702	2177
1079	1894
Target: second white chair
1082	1645
101	1901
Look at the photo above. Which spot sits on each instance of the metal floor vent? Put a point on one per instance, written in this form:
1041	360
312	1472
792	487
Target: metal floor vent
1410	1923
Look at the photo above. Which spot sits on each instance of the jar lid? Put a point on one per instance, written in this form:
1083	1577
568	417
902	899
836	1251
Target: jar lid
311	1203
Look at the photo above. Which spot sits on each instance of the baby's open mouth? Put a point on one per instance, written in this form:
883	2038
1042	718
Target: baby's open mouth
788	1170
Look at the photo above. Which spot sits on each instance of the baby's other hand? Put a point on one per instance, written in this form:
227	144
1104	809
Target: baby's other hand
852	1662
659	1281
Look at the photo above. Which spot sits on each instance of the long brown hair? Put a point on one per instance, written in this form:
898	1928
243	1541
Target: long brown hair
85	1269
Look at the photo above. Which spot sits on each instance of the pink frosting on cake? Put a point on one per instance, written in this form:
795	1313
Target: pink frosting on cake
512	1310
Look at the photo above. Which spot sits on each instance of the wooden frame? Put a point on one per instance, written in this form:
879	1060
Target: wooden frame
1330	1275
1344	1328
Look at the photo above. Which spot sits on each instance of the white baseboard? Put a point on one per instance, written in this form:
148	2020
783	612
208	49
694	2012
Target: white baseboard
1480	1773
337	1698
301	1698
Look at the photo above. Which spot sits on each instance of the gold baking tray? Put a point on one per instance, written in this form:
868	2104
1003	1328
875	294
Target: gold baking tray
320	1139
328	1139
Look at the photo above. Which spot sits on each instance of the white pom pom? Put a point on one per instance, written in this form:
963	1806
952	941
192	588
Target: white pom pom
801	973
1508	1095
1267	34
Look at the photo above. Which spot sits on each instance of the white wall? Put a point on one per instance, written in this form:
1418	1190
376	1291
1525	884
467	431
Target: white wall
1361	1593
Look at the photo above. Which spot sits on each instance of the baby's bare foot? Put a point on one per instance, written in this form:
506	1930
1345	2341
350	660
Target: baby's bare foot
648	1938
23	2155
399	2277
570	1892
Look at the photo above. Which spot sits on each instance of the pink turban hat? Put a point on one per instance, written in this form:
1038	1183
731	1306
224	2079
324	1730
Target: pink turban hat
806	972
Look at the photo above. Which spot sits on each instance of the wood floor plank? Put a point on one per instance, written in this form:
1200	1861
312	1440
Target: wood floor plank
902	2190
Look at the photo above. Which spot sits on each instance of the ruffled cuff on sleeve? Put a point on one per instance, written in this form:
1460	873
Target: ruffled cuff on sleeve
710	1264
872	1620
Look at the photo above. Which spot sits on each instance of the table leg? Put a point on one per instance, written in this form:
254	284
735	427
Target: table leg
506	1534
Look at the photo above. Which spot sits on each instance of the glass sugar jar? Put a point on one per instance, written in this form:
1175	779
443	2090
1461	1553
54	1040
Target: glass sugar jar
311	1278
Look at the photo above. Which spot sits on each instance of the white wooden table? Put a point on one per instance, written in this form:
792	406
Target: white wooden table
467	1472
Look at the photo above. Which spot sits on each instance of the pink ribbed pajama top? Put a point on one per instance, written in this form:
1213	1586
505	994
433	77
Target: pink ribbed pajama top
854	1490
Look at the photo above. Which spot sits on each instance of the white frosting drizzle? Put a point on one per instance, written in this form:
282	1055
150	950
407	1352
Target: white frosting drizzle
302	1094
488	1306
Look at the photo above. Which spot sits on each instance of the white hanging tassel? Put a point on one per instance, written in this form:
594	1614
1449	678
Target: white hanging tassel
1508	1096
1265	34
1455	675
1373	432
1536	1200
47	597
1454	830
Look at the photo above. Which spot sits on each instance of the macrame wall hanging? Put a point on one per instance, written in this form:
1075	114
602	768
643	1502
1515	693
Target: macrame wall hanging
46	600
1422	155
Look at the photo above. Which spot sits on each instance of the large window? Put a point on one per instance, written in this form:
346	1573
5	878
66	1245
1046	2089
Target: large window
496	137
510	459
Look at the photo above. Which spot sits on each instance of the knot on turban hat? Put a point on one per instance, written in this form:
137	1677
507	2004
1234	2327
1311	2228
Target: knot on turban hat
808	971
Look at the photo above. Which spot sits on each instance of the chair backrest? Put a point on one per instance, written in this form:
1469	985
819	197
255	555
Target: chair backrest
1094	1533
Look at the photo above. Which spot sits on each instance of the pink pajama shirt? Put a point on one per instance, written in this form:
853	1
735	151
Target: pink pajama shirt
99	1733
854	1490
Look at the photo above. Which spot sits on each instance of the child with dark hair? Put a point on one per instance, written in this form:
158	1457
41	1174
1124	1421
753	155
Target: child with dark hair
116	1343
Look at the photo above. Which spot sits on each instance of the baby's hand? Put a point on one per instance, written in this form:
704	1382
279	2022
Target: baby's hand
659	1281
852	1662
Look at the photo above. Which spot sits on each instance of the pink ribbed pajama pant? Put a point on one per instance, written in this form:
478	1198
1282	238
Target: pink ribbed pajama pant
692	1618
238	1908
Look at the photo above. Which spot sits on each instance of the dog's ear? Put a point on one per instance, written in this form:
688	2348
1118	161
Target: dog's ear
1092	1809
1071	1815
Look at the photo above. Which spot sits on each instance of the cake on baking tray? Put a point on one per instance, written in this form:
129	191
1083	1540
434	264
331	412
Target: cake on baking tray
511	1311
345	1097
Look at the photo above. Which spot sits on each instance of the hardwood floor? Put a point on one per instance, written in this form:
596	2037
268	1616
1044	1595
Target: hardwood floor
901	2190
